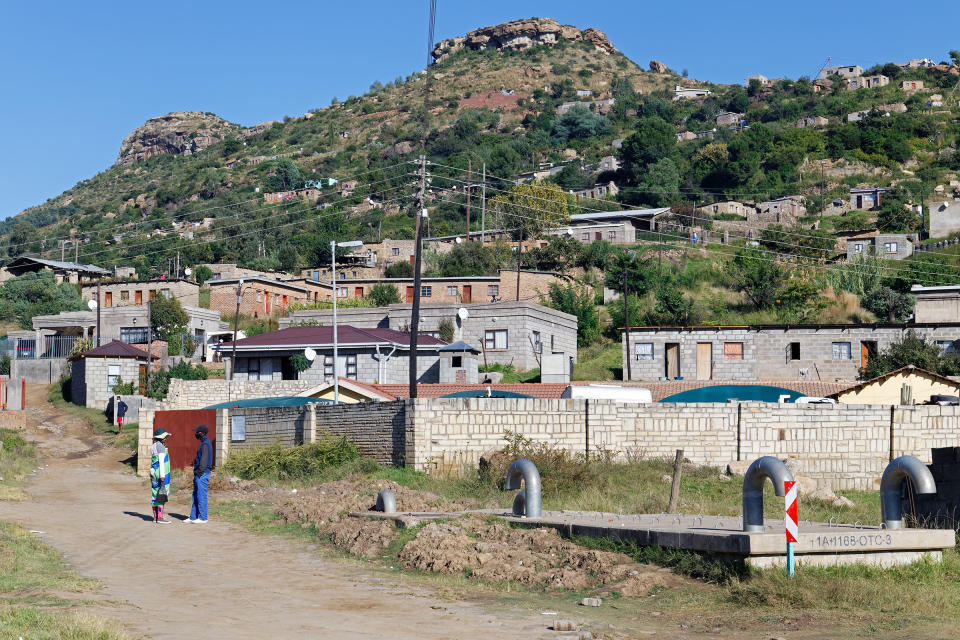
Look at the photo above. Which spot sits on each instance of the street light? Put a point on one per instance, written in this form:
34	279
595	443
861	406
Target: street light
333	269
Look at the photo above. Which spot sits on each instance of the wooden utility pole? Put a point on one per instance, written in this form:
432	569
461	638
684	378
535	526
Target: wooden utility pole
519	251
469	174
99	304
483	206
149	344
415	309
675	484
626	321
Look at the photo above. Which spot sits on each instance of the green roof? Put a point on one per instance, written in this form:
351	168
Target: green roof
288	401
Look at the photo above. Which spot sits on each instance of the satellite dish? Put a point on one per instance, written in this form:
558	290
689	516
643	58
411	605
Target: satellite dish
187	271
92	304
458	240
309	354
462	313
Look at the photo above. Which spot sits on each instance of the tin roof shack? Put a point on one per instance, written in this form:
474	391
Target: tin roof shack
905	386
72	272
768	352
366	355
94	373
139	292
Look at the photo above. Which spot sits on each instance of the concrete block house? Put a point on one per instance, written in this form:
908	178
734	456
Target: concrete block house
95	372
768	352
366	355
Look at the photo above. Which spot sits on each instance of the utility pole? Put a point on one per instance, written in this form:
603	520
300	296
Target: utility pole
150	345
469	173
415	310
333	276
519	251
99	304
76	252
63	246
483	206
626	318
178	266
822	190
236	325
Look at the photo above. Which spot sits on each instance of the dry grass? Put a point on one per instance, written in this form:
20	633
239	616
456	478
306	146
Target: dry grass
17	459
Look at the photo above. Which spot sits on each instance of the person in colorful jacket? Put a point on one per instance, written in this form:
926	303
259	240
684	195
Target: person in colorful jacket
159	473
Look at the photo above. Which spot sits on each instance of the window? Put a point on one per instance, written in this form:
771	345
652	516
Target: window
354	273
551	342
947	346
452	291
276	298
457	362
341	292
125	295
858	248
395	251
794	350
537	345
426	291
493	289
733	350
643	350
259	296
316	276
346	366
153	294
841	351
343	276
584	236
890	247
495	339
612	235
134	335
165	293
113	376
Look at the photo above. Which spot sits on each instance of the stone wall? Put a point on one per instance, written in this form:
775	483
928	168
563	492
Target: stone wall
197	394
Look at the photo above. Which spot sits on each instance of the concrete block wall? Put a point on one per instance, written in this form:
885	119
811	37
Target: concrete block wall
266	425
378	429
197	394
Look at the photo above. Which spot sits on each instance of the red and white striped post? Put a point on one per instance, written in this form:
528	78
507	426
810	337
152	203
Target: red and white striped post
791	521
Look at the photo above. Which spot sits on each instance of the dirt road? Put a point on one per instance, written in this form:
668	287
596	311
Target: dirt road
216	580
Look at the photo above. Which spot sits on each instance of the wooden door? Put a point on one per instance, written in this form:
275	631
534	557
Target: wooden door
138	298
867	349
143	379
409	294
468	293
704	360
598	236
108	298
672	369
358	292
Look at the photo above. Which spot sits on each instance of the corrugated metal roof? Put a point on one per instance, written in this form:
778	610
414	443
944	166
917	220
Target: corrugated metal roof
57	264
614	215
115	349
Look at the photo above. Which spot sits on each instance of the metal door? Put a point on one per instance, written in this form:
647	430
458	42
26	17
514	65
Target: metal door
704	360
182	445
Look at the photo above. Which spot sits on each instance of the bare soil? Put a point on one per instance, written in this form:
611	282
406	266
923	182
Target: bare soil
217	580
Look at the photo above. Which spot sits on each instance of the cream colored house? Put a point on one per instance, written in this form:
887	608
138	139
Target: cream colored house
891	387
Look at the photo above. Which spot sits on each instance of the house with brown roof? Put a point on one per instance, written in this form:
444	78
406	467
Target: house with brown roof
365	355
94	373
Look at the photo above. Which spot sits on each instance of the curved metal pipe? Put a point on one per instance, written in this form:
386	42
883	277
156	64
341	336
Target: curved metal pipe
520	503
891	481
525	470
386	501
760	470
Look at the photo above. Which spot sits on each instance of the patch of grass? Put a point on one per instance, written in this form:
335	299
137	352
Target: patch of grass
204	299
276	462
17	459
599	361
32	575
510	374
710	568
57	395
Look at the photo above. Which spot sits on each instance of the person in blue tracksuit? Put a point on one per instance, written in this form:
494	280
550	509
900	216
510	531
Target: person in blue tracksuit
202	464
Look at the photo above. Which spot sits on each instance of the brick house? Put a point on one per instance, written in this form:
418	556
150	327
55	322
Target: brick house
260	297
911	85
366	355
95	372
768	352
868	82
139	292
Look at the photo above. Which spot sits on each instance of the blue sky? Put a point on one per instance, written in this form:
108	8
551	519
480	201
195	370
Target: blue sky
78	77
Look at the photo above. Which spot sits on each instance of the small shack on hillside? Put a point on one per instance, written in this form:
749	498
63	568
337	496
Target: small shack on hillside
907	385
94	373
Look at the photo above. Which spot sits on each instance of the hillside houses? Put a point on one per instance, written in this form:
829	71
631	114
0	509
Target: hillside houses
812	121
679	93
846	72
868	82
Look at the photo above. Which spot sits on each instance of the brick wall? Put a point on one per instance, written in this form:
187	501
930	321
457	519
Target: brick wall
259	298
379	429
265	425
197	394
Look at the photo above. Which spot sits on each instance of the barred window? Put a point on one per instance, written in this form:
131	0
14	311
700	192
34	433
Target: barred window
841	351
643	350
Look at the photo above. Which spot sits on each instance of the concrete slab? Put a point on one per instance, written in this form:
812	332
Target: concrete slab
818	543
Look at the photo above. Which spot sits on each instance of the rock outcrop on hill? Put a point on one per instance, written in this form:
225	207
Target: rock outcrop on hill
181	132
521	34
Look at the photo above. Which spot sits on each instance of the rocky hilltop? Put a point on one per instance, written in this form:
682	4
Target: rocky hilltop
181	132
521	34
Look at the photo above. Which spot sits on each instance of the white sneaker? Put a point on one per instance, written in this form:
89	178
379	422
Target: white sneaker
198	521
188	521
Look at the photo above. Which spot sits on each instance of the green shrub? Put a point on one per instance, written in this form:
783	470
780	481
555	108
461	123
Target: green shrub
277	462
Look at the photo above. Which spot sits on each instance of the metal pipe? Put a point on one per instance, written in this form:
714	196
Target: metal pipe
520	503
891	482
760	470
386	501
525	470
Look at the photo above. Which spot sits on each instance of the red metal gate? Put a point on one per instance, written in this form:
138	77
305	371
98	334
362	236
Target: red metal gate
182	445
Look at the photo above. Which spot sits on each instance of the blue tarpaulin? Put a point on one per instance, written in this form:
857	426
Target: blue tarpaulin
743	392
